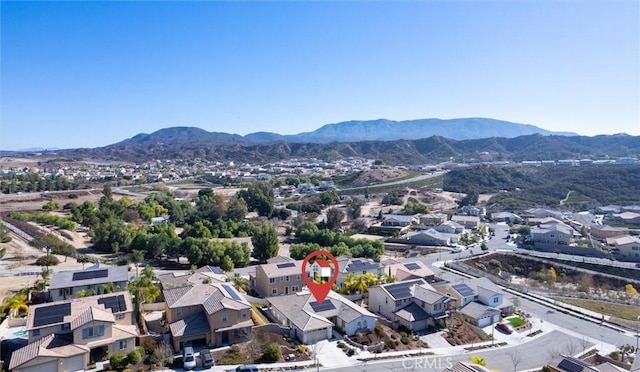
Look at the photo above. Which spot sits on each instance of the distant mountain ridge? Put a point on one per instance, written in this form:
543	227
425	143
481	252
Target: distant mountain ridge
356	131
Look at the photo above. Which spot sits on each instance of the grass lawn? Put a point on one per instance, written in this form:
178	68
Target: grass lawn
606	308
516	322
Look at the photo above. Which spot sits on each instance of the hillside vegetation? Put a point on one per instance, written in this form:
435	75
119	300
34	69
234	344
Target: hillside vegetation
612	184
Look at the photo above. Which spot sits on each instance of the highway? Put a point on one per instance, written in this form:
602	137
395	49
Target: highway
400	182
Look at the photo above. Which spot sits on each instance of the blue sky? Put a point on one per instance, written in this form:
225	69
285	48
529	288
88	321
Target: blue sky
85	74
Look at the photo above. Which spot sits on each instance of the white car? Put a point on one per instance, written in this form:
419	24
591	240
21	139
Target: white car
188	358
456	250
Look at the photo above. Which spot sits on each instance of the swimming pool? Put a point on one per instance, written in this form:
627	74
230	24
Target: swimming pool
20	333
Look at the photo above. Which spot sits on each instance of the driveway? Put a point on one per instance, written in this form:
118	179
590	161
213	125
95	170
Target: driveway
435	340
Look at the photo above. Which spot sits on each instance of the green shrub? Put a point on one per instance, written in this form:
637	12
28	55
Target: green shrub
134	357
118	361
403	334
149	345
47	260
350	352
379	330
272	352
302	348
405	340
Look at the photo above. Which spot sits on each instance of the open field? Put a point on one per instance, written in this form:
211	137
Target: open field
606	308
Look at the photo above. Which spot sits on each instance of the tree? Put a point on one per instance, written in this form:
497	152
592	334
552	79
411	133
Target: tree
470	199
50	206
137	256
484	246
354	208
134	357
259	197
265	242
5	236
626	350
240	283
226	264
162	355
16	303
111	235
334	218
516	302
83	260
516	358
329	197
237	209
584	231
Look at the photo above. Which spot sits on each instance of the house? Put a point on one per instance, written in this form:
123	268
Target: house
606	231
626	246
466	367
408	270
484	297
480	315
398	220
567	363
471	210
450	227
540	213
609	209
277	279
71	334
432	219
469	222
507	217
94	279
427	237
204	275
213	313
413	304
554	234
628	217
356	266
312	322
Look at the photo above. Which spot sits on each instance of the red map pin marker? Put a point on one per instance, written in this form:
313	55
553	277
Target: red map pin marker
320	291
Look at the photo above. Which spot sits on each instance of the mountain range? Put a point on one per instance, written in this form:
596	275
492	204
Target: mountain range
479	140
355	131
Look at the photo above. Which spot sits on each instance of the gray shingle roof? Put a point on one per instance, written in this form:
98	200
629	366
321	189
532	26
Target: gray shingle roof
211	296
191	325
53	346
412	313
477	310
64	279
425	293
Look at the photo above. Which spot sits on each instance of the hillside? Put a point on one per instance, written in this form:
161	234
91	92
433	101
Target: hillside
612	184
402	152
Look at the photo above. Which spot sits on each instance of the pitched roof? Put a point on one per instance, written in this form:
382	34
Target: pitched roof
401	290
53	346
412	313
80	310
302	310
426	293
357	265
477	310
465	218
79	278
191	325
213	297
281	269
622	240
408	270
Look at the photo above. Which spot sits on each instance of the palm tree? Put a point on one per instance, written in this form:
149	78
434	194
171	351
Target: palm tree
240	283
16	304
137	256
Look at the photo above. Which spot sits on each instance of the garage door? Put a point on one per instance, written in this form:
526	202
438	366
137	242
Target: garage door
44	367
483	322
317	335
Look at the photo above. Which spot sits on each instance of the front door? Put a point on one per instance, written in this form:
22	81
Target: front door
286	290
225	338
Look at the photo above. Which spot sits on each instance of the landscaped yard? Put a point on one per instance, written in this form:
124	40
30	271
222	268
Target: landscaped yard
516	321
462	333
258	350
606	308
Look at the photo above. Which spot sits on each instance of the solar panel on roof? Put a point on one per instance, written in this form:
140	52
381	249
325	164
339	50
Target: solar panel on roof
231	292
93	274
325	306
117	303
51	314
463	289
286	264
570	366
412	266
400	290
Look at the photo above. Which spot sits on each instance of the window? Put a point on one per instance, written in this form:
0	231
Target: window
495	300
286	278
274	291
93	332
243	313
272	280
295	288
224	317
179	312
437	307
119	316
66	327
61	292
298	277
36	332
122	344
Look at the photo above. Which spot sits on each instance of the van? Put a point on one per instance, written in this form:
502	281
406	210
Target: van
207	358
188	358
247	368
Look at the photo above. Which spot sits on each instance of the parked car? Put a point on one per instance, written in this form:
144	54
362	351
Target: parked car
207	358
456	250
247	368
504	328
188	358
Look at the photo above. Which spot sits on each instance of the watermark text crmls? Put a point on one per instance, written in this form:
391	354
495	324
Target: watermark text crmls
430	363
